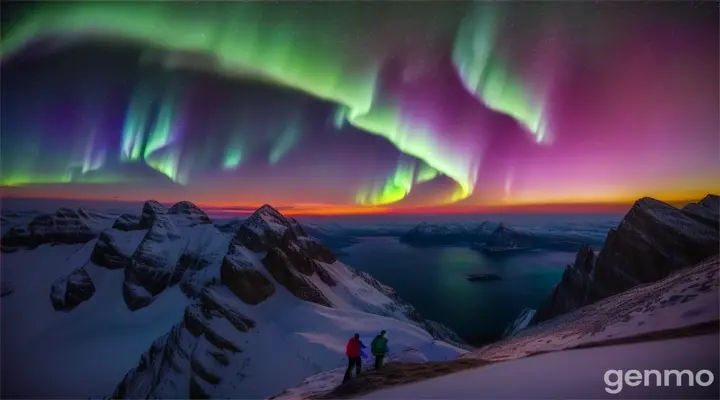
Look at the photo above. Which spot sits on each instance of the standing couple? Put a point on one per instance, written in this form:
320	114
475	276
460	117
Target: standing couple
353	350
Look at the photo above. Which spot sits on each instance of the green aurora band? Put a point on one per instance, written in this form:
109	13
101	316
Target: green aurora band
309	51
486	72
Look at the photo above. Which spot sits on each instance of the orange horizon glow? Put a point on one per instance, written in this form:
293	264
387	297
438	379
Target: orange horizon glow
322	209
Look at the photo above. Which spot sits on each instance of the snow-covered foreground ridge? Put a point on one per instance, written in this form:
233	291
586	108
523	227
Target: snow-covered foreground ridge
682	306
267	305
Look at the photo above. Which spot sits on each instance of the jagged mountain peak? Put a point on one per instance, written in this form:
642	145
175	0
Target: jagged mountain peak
64	212
649	202
266	228
150	210
154	204
648	214
422	225
190	211
711	201
268	209
183	207
502	227
270	215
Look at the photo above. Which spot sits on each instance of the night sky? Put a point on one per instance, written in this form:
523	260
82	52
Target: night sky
361	105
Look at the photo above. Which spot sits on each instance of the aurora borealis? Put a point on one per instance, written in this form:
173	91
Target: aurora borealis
361	104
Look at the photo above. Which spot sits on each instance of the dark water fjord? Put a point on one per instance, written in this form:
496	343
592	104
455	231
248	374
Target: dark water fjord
434	280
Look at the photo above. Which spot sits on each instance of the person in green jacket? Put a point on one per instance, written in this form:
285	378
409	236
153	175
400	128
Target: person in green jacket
379	349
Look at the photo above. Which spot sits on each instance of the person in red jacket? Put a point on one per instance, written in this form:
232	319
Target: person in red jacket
353	351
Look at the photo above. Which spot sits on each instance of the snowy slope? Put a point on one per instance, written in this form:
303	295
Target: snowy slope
682	305
289	341
50	354
203	313
574	374
685	299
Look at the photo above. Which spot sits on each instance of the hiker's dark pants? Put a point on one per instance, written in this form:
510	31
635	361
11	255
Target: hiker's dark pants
379	360
357	363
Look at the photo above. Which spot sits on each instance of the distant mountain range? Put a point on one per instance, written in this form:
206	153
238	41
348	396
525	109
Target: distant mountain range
495	238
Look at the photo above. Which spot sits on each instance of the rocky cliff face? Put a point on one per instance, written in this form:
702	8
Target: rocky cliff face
67	293
151	209
153	263
193	213
653	240
127	222
520	322
160	249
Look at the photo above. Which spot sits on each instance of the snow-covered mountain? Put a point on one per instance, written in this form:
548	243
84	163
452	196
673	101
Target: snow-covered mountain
492	237
182	309
426	234
652	241
65	226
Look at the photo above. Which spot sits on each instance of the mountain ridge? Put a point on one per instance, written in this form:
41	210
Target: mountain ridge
249	289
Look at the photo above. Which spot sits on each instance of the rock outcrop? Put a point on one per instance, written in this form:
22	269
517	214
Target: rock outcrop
151	209
292	259
231	226
66	226
153	263
522	321
192	212
294	276
653	240
240	276
200	348
67	293
114	249
265	228
127	222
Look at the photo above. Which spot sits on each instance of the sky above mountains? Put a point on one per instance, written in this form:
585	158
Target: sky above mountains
361	106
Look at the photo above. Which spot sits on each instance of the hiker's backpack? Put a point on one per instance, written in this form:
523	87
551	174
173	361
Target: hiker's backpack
378	345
